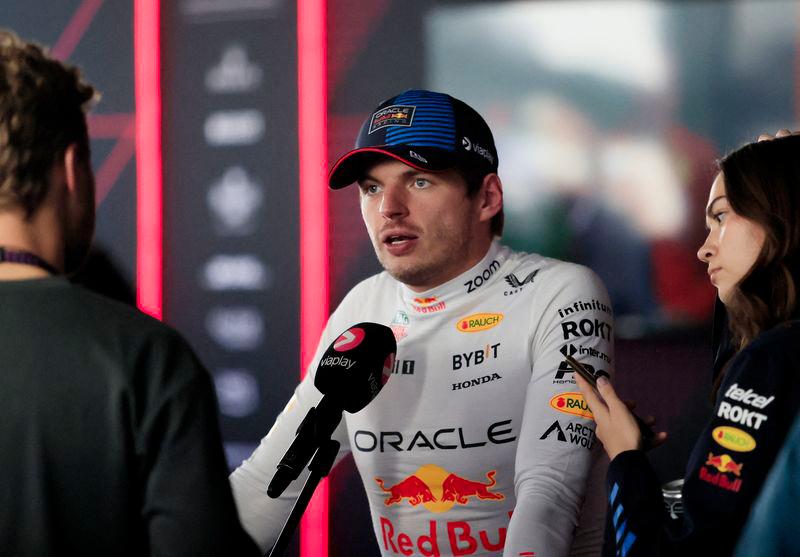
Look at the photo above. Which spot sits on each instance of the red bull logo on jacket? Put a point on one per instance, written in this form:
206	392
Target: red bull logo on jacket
724	465
438	490
571	403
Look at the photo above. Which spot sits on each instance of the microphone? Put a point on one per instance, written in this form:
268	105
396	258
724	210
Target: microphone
351	372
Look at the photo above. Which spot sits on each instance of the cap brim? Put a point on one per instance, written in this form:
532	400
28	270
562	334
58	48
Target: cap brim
354	165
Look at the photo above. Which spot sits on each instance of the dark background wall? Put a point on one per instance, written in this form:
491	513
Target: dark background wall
231	276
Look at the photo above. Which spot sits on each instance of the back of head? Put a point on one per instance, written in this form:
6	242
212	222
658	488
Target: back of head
43	105
762	184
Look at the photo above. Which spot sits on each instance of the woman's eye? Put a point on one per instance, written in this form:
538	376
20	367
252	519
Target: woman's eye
720	216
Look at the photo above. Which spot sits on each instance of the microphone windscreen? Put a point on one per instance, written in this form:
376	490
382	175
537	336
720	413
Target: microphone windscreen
357	365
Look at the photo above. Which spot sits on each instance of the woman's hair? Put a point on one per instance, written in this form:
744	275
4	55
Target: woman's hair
762	183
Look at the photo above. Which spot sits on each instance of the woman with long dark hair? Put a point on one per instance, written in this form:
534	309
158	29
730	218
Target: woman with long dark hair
753	256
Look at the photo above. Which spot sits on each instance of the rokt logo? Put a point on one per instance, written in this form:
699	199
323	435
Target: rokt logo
586	328
439	490
478	322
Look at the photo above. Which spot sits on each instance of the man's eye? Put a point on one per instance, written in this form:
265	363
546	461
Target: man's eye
421	183
370	189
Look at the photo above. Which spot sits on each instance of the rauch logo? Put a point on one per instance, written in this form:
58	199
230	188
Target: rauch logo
571	403
734	439
478	322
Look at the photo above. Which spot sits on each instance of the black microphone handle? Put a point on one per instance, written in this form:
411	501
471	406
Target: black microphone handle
316	428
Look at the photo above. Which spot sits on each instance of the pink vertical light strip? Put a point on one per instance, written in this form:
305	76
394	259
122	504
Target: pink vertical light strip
312	109
147	69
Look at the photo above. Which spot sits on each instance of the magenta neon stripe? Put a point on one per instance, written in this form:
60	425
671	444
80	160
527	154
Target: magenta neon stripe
73	32
147	53
312	108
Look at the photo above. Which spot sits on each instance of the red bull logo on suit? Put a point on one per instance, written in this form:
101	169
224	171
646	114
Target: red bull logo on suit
438	490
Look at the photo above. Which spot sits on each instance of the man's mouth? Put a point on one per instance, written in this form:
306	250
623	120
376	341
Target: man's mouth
398	239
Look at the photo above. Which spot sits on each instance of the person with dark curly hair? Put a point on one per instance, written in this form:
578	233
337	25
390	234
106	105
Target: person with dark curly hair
752	252
110	443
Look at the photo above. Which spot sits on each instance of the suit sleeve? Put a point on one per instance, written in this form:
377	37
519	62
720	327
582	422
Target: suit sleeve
187	503
754	410
262	516
557	446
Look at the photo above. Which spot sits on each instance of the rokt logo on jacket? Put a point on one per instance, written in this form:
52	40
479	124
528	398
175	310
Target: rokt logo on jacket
478	322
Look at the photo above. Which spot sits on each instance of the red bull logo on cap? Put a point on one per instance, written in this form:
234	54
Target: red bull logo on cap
438	490
571	403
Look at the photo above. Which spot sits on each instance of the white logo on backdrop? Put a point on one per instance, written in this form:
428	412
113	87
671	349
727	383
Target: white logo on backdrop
234	201
236	272
236	328
234	127
235	72
237	392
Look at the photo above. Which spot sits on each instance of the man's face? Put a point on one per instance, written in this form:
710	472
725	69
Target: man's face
79	228
424	228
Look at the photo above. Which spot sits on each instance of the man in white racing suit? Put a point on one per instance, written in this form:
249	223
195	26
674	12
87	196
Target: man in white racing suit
479	444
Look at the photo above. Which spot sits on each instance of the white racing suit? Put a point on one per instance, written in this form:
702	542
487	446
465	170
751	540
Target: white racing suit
479	444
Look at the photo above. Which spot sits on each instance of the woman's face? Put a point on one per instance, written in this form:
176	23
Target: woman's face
733	242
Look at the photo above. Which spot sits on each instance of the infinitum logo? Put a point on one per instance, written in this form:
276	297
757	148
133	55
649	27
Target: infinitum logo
478	322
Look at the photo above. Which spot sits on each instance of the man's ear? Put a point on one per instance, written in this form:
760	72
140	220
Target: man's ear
73	167
491	197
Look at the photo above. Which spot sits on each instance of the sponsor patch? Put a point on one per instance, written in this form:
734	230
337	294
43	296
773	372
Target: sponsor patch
724	463
575	433
571	403
739	415
478	322
428	305
476	357
734	439
476	382
438	490
586	328
584	305
749	397
395	115
399	325
404	367
479	280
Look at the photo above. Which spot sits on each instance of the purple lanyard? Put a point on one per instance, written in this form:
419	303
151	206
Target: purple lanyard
26	258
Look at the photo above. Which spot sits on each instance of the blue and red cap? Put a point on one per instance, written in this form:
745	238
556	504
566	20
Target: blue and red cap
426	130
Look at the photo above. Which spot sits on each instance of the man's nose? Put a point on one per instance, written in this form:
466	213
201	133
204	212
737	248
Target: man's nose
393	204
